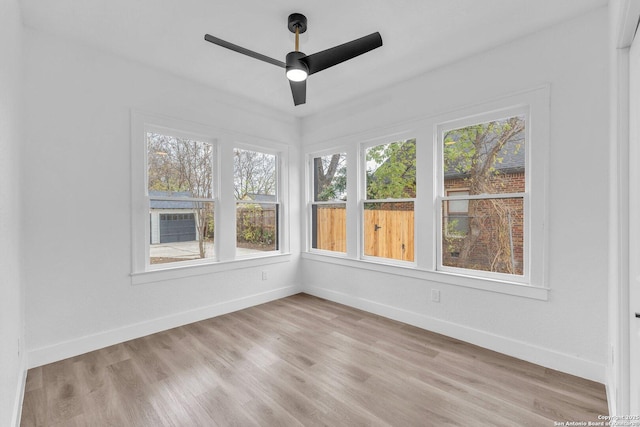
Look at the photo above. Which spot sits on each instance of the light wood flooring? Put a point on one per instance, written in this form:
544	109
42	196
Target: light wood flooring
303	361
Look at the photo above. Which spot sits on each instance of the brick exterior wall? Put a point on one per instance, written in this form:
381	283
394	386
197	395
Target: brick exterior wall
499	226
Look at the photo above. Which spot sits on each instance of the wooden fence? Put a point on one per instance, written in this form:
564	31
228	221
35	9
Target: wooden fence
331	227
387	233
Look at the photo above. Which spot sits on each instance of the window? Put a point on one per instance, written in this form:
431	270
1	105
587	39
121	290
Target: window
257	209
456	214
328	206
389	196
483	225
180	180
186	219
479	218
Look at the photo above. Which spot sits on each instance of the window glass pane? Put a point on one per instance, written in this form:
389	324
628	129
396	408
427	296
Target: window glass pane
488	237
256	228
486	158
391	170
329	227
179	167
254	175
458	206
183	236
330	177
388	230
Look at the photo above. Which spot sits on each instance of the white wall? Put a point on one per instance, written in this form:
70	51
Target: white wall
12	359
569	331
622	24
77	199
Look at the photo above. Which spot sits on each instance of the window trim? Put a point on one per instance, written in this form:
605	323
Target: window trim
470	120
225	141
141	125
362	197
480	283
311	202
182	134
425	130
278	203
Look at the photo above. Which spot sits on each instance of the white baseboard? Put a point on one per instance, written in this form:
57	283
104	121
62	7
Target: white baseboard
611	398
44	355
518	349
17	406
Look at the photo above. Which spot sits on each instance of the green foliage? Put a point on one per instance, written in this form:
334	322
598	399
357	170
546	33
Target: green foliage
336	189
210	225
476	151
477	154
251	228
391	170
330	177
179	165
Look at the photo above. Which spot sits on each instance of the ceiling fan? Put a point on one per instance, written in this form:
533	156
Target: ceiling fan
299	66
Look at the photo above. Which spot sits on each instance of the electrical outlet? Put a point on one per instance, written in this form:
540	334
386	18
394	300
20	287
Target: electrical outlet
264	275
435	295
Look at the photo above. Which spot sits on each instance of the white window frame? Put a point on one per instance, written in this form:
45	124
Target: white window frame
311	202
519	110
534	105
447	210
362	199
427	212
182	134
224	201
278	160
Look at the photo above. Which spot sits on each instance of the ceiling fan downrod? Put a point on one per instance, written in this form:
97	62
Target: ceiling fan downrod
296	70
297	24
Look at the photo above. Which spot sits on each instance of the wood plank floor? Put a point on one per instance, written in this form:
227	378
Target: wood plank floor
303	361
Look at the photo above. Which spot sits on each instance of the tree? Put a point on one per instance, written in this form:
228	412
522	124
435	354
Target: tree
391	170
180	165
475	152
254	174
330	178
255	179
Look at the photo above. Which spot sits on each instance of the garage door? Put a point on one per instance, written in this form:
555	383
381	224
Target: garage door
177	228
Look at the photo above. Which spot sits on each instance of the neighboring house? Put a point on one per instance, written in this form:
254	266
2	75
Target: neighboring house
512	165
172	221
509	177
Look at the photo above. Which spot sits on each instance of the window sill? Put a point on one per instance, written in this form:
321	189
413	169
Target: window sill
491	285
179	272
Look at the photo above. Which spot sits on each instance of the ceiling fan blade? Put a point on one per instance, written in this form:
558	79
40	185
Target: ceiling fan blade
299	92
335	55
243	51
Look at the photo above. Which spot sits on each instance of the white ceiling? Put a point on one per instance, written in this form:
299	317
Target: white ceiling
418	35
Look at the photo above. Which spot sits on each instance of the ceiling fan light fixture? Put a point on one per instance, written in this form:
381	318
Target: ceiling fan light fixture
297	75
297	70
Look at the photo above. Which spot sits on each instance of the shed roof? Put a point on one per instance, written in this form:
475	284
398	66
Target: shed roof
169	204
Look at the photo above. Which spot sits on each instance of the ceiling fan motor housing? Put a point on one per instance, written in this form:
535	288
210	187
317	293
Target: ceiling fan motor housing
294	63
297	21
